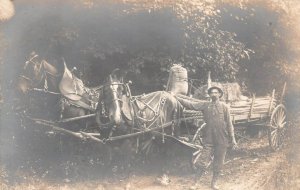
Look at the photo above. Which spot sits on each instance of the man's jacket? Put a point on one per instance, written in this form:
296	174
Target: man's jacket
217	118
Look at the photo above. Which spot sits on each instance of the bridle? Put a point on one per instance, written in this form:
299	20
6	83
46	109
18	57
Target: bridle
114	99
114	92
40	73
41	69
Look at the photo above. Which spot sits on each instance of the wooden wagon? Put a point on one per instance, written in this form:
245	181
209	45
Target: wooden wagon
265	111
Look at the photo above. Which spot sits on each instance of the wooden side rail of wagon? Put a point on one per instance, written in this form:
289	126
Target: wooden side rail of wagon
267	111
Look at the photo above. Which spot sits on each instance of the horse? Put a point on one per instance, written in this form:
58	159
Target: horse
108	110
37	74
156	111
76	98
133	116
61	91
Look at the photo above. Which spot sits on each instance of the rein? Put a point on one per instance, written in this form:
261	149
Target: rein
27	78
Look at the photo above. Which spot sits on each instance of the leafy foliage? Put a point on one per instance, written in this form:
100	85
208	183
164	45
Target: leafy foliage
135	34
205	45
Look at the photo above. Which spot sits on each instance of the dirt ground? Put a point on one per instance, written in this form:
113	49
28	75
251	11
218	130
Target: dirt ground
252	166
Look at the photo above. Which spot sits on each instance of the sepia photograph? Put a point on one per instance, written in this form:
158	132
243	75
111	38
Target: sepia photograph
149	94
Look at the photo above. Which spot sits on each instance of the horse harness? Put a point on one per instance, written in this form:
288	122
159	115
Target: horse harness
138	118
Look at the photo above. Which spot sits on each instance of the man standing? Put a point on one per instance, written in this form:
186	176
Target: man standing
219	130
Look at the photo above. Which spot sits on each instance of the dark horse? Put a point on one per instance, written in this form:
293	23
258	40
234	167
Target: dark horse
77	99
154	111
62	89
37	74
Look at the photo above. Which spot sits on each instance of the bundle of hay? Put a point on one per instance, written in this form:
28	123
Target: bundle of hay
178	80
232	92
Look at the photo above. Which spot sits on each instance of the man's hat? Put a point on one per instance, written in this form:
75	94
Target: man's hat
215	87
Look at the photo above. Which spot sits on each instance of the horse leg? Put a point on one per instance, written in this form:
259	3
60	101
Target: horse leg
127	151
147	146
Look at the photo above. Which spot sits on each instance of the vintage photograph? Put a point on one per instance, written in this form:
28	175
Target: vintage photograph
149	94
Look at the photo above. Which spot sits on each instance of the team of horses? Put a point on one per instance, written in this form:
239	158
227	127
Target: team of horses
115	110
112	100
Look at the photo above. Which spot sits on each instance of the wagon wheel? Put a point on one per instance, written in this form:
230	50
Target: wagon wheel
197	140
277	127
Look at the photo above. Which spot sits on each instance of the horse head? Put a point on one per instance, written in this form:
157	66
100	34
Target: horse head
111	97
34	75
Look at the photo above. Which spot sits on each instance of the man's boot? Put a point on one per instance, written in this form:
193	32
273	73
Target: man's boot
214	185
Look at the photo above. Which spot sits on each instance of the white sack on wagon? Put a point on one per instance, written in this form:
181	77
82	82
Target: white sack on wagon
178	80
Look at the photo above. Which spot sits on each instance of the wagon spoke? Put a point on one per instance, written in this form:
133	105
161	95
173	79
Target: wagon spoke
196	158
282	120
274	139
282	133
281	113
277	139
273	134
280	138
277	128
276	116
273	125
282	124
281	116
274	131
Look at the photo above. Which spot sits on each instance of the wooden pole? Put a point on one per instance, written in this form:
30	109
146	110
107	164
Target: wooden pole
76	118
283	93
271	102
208	84
81	135
251	108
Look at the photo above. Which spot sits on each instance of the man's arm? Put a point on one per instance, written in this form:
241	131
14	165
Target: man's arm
191	103
229	124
